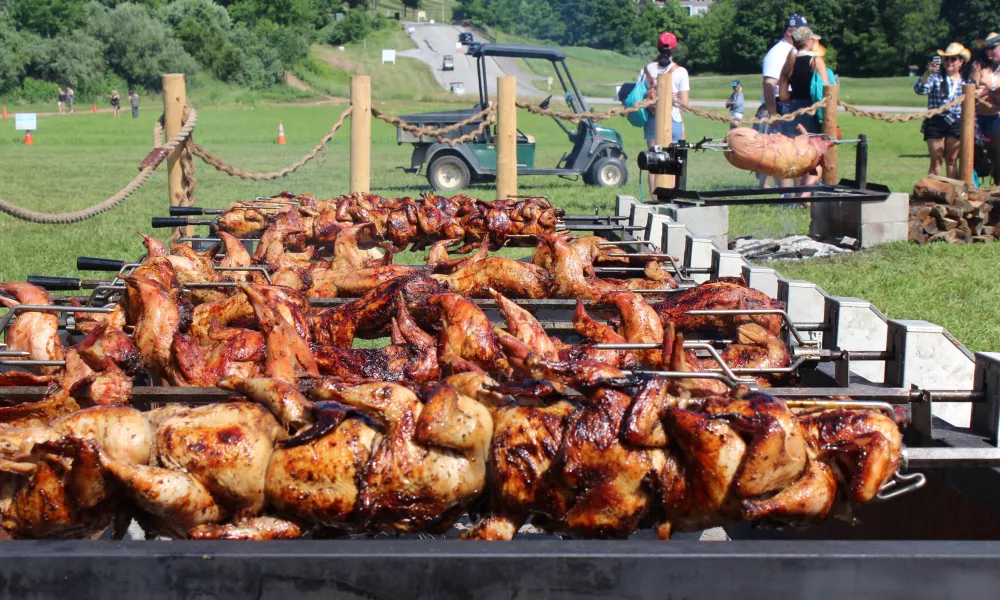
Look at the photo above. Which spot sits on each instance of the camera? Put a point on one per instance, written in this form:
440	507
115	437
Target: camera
664	161
936	60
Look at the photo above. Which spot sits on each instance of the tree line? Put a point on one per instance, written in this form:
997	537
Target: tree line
863	37
99	46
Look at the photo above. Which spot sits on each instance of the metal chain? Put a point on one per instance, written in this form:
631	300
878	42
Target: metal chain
223	166
857	111
145	172
593	116
438	133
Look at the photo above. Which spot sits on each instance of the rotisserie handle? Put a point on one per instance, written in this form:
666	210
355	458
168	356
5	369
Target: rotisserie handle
161	222
54	283
186	211
90	263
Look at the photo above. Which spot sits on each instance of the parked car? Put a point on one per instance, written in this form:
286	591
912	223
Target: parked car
449	63
465	37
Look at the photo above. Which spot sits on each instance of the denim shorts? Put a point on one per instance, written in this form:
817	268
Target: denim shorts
988	124
790	128
676	131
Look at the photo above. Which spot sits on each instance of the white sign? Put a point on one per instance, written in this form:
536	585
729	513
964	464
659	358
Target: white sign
458	45
25	121
388	56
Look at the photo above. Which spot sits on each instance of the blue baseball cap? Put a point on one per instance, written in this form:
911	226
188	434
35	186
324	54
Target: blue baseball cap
736	83
796	20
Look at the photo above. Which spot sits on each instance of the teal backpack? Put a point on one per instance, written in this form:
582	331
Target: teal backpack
637	95
816	89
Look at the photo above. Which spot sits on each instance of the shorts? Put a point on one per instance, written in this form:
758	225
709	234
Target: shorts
988	124
790	128
676	130
736	115
763	127
936	128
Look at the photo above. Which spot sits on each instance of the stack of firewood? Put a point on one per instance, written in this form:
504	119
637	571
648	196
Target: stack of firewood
947	210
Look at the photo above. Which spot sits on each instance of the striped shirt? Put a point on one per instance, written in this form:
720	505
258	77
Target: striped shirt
935	99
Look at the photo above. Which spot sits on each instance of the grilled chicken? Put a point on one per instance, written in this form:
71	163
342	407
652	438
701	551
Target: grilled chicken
480	273
467	340
431	461
36	333
596	332
51	482
236	256
639	324
158	320
571	279
207	463
412	356
288	354
722	294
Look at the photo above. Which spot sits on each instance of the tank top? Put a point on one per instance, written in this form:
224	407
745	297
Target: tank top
801	78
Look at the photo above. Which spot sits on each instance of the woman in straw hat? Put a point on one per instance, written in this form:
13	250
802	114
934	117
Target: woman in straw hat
943	132
985	74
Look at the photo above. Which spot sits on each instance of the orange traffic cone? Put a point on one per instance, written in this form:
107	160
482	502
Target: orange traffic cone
4	113
28	140
95	108
281	133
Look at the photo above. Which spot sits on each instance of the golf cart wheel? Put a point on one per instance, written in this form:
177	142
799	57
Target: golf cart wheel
448	173
608	171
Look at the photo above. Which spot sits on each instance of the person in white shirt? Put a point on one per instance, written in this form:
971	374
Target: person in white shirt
774	62
664	63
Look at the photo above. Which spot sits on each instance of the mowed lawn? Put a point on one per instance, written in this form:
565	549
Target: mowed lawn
81	159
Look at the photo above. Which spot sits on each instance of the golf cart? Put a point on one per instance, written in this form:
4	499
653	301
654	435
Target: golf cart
597	154
448	64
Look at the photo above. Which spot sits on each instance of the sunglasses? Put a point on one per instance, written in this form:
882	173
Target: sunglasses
950	58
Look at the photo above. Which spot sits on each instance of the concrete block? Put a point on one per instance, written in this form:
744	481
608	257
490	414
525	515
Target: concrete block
857	325
805	303
727	263
893	209
764	279
871	234
698	256
623	204
674	240
926	356
705	221
654	228
639	214
986	415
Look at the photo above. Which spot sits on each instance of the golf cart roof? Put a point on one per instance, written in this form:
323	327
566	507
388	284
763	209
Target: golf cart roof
516	51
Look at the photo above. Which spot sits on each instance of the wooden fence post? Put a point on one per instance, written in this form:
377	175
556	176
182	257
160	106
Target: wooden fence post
830	129
361	133
968	140
174	98
664	123
506	137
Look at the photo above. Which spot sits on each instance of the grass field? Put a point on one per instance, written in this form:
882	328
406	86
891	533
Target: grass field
78	160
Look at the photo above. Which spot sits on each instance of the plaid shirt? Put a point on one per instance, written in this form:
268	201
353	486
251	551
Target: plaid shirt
935	99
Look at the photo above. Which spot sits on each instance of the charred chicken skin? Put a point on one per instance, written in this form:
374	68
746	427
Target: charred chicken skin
724	293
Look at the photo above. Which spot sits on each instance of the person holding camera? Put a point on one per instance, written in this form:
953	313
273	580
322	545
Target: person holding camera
943	132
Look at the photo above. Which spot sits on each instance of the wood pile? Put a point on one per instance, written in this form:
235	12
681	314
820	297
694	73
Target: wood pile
946	210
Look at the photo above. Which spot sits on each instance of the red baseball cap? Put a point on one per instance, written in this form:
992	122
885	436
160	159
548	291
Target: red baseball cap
667	40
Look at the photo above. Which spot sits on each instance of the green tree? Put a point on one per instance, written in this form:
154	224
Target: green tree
411	4
138	46
47	17
707	36
970	20
13	54
76	60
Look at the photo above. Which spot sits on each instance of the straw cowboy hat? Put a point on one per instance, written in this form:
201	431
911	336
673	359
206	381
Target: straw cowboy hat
991	40
955	49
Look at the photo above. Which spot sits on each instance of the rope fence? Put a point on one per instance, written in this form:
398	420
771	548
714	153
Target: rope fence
485	118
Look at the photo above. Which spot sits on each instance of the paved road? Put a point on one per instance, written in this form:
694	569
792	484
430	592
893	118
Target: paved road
435	41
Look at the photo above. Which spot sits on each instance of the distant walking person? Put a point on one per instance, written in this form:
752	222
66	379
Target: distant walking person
735	105
943	132
60	99
69	98
986	75
133	99
116	102
666	44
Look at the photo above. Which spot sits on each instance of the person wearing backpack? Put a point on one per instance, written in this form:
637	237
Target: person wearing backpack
664	63
795	88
